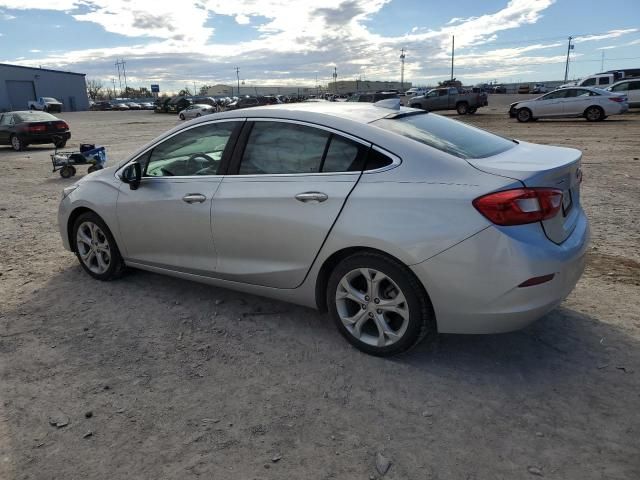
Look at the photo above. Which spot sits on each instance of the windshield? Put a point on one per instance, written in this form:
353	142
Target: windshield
49	99
446	135
34	117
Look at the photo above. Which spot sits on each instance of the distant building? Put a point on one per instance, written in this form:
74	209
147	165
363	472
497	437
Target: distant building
343	87
19	85
221	90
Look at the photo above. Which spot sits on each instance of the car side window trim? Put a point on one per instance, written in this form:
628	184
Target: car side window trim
395	160
224	163
246	131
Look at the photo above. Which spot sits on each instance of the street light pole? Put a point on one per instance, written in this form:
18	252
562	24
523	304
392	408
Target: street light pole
335	80
238	77
453	53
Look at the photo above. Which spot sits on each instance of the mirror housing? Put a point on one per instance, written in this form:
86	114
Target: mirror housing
132	175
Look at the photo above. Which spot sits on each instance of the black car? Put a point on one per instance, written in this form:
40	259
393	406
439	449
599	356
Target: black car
372	97
499	89
19	129
245	102
101	106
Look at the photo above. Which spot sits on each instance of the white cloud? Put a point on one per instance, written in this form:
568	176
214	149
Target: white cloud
243	19
604	36
35	50
303	39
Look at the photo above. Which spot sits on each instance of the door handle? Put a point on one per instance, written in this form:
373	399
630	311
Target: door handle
312	197
194	198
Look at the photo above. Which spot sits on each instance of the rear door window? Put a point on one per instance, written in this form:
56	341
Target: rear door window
288	148
446	135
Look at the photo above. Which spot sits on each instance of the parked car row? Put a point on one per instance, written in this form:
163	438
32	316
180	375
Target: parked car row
122	106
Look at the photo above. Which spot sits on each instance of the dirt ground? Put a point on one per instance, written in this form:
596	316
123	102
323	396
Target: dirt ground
151	377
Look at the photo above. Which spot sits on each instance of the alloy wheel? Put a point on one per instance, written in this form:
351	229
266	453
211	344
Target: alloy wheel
593	114
372	307
93	247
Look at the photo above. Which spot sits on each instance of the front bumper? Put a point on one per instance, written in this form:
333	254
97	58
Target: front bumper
473	286
64	211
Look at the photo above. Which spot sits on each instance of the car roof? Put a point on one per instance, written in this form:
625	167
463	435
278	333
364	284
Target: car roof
320	112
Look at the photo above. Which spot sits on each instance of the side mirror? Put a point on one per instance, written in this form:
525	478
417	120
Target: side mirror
132	174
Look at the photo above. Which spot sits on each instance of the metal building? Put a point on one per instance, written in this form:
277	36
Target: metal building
19	85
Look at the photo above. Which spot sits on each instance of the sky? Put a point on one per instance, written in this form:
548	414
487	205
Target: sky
283	42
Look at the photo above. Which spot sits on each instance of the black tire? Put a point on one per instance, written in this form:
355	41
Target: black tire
523	115
181	117
462	108
60	143
116	264
421	319
94	168
594	114
17	144
415	105
67	171
198	115
472	111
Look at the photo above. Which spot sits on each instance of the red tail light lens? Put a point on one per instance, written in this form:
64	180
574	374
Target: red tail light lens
520	206
37	128
617	99
62	125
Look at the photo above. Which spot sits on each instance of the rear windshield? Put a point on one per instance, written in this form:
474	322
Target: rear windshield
34	117
450	136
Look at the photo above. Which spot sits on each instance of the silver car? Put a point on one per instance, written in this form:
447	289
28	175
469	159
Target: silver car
398	222
195	111
593	104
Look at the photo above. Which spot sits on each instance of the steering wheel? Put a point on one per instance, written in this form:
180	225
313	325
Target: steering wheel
193	166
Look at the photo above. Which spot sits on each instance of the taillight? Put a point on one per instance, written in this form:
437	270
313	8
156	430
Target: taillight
36	128
62	125
520	206
618	99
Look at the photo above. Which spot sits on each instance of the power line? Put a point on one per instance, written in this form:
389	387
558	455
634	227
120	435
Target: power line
542	39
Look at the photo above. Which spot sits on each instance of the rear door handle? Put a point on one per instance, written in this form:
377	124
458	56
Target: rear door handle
312	197
194	198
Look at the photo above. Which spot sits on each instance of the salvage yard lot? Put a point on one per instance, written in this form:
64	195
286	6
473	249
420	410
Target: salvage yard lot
160	378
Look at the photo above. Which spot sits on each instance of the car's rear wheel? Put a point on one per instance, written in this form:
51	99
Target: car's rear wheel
17	144
181	117
378	305
60	143
524	115
594	114
472	111
462	108
96	248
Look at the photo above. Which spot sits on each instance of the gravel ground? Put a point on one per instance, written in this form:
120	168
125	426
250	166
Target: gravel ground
151	377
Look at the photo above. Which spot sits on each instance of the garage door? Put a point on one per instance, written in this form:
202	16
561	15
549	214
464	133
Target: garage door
20	93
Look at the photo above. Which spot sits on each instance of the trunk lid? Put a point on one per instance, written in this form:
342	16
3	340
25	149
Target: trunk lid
543	166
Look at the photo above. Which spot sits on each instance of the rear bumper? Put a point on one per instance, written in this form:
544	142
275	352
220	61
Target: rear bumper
474	285
44	137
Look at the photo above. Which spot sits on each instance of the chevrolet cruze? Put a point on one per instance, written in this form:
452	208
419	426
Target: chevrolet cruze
398	222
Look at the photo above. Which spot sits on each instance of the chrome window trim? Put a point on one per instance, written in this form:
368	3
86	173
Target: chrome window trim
118	173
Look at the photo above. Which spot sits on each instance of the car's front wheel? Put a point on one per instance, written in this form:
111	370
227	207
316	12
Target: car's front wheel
378	305
523	115
96	248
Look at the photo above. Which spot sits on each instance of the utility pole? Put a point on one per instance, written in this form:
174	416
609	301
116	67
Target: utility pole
113	80
124	73
119	78
335	79
402	55
566	66
194	88
453	53
238	77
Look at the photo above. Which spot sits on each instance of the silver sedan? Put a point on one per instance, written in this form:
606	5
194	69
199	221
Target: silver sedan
195	111
398	222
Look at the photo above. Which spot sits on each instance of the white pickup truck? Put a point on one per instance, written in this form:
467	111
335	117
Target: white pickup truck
46	104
